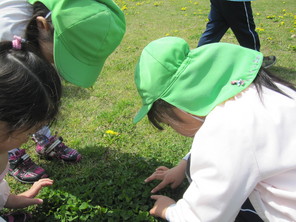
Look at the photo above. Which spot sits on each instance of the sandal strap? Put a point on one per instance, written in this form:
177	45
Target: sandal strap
50	149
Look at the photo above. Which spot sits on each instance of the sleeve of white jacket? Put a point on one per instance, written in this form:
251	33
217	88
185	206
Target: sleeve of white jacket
4	193
223	168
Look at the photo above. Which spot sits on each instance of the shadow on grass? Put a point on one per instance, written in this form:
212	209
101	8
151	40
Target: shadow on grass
105	186
72	91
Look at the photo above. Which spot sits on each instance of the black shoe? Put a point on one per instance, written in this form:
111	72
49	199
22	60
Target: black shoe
268	61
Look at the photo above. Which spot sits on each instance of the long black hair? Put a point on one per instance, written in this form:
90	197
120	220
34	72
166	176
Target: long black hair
267	79
30	88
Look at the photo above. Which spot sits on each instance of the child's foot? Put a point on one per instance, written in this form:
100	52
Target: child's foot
17	217
268	61
22	168
54	147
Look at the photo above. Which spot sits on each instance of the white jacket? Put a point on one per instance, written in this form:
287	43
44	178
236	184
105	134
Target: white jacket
245	148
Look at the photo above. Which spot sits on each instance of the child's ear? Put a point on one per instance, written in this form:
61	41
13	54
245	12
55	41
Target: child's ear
42	24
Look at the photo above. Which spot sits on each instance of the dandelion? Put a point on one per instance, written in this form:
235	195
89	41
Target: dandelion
168	34
259	29
183	8
269	38
124	8
282	23
112	132
257	13
157	4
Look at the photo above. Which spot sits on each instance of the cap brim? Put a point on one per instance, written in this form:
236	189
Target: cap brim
142	113
74	70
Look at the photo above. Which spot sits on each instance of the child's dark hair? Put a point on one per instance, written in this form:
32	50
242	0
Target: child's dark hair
30	88
161	108
32	33
267	79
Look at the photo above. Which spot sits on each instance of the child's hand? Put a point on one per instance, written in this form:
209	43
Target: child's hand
36	187
161	205
27	198
173	176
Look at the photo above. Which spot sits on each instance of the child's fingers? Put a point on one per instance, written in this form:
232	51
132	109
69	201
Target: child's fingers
44	182
158	175
159	187
162	168
148	179
36	201
155	197
26	201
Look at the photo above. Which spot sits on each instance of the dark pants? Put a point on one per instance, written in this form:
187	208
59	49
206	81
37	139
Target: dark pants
247	213
235	15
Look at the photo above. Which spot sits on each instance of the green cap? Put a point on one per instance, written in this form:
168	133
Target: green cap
86	32
193	80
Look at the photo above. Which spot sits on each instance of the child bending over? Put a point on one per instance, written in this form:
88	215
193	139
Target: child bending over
30	92
243	123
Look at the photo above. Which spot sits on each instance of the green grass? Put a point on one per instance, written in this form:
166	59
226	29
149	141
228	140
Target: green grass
108	183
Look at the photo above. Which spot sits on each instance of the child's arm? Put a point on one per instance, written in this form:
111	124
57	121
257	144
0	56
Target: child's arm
27	198
173	176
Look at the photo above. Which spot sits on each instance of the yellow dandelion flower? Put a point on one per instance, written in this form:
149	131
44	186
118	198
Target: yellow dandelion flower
157	4
168	34
183	8
124	8
257	13
112	132
259	29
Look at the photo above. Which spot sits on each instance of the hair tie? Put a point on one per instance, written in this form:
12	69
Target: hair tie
47	15
17	42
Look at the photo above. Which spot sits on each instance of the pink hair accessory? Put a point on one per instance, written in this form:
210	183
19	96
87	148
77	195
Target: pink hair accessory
17	42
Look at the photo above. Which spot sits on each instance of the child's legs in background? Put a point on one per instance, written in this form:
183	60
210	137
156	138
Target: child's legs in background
239	17
216	27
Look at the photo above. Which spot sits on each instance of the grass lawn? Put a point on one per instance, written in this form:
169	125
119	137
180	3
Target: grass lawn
107	185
